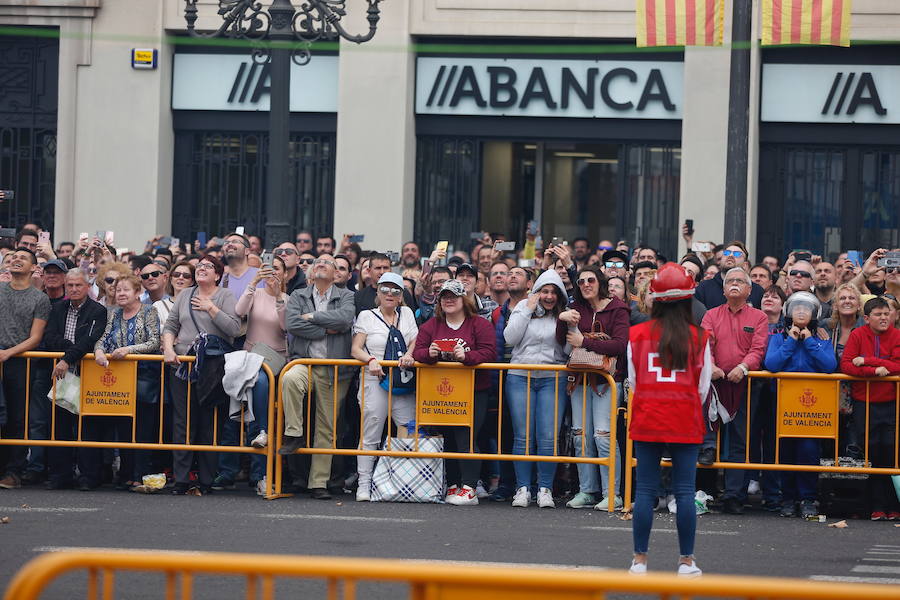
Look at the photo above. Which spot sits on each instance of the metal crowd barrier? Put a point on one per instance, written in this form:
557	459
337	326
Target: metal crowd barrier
334	364
833	407
160	444
426	580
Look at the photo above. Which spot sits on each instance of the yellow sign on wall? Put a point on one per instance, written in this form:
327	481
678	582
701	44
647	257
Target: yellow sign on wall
109	391
445	396
807	408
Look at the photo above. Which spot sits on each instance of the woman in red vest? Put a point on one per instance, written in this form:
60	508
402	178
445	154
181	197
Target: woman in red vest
669	369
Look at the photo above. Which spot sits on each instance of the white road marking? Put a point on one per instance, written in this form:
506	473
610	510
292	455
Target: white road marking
886	546
840	579
93	549
888	570
39	509
883	559
660	529
338	518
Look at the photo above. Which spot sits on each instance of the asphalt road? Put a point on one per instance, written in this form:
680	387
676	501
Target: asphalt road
755	543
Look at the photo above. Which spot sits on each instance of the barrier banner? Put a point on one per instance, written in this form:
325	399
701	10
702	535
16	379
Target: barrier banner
445	396
109	391
807	408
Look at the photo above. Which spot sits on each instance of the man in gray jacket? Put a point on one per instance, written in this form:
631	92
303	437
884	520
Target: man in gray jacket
320	319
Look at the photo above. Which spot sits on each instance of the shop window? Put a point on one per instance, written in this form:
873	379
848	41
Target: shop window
880	180
651	196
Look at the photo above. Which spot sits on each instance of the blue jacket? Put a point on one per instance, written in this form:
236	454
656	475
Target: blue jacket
812	355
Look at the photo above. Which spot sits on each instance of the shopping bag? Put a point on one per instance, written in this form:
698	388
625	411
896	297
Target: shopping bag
410	479
68	393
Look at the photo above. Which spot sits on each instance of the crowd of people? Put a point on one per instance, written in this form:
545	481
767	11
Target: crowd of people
235	305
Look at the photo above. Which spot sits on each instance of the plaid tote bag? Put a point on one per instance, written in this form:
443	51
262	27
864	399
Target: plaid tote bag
410	479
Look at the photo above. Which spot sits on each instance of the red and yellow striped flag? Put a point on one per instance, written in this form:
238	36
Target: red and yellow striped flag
679	22
824	22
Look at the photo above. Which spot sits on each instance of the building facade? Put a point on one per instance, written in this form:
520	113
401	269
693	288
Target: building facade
460	116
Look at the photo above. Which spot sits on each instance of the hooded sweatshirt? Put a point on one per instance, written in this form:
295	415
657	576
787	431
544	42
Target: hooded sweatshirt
534	337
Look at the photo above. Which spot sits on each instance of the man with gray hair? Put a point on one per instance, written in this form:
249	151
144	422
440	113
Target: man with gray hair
738	335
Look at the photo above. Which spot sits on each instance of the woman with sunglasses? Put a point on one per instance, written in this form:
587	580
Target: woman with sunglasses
467	338
264	308
203	323
370	340
106	282
131	328
594	312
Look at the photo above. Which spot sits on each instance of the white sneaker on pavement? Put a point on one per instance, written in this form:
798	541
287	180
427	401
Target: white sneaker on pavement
637	568
691	570
604	504
522	498
581	500
545	498
480	491
451	491
363	493
466	496
261	440
261	487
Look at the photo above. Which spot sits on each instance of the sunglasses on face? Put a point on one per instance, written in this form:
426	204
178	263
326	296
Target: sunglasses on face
587	280
389	291
146	276
307	261
110	280
181	275
892	270
797	273
304	241
614	264
323	261
280	251
734	253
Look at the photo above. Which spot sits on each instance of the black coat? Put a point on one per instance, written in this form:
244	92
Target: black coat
88	328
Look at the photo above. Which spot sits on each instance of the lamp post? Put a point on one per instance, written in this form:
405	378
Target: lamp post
279	34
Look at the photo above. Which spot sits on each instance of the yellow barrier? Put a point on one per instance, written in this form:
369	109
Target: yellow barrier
334	450
27	440
828	431
427	581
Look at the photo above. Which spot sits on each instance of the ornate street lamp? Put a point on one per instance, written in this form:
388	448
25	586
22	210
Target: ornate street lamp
279	34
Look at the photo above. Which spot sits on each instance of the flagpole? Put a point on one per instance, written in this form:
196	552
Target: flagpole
738	122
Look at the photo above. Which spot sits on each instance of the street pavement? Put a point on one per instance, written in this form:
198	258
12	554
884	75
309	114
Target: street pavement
755	543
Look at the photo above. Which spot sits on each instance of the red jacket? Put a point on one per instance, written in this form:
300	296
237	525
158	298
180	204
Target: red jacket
613	320
666	406
879	351
478	339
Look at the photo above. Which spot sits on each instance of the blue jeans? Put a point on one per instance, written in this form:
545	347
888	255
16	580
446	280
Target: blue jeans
229	462
541	422
796	485
684	471
597	420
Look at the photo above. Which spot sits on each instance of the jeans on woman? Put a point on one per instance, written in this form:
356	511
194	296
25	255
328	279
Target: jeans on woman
684	471
540	422
230	462
374	412
596	418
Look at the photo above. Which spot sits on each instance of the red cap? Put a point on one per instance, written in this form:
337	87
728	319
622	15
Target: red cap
672	282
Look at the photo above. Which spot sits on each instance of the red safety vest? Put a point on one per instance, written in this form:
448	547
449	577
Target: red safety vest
666	406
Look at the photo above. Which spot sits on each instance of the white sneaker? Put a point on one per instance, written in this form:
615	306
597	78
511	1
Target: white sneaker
522	498
451	492
545	498
261	440
363	493
261	487
604	504
581	500
753	487
480	491
637	568
691	570
466	496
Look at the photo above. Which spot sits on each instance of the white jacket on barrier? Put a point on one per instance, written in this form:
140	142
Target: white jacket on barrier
241	371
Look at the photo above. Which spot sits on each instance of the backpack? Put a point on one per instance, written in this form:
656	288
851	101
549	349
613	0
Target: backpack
404	380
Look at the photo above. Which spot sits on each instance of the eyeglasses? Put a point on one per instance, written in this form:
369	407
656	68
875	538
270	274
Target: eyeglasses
734	253
237	242
206	266
389	291
587	280
307	261
798	273
735	280
323	261
146	276
280	251
110	280
181	275
614	264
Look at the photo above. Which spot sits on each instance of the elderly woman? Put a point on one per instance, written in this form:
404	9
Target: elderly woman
107	275
264	308
457	324
536	404
372	333
594	312
132	328
202	323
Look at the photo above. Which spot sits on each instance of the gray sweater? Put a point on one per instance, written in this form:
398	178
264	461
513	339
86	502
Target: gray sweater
226	324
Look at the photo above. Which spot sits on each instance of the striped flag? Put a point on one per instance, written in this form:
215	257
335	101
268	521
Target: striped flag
823	22
679	22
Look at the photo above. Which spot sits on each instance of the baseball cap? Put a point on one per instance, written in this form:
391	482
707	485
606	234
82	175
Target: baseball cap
613	254
391	278
467	267
454	287
56	263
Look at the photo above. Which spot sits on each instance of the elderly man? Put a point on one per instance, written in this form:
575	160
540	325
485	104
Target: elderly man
319	318
74	327
798	278
155	279
738	336
711	292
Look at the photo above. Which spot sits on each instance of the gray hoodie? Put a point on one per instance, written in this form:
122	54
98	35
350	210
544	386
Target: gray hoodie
534	338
